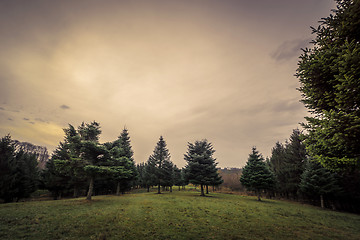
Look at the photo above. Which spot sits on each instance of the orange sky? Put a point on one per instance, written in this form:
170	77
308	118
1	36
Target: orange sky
187	70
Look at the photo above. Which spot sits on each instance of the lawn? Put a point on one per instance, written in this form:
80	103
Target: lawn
177	215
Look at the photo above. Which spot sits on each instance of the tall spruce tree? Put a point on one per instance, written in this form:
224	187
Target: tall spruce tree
295	159
317	181
125	155
256	175
329	74
157	163
201	165
277	164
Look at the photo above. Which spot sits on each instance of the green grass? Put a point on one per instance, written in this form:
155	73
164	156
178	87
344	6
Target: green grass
177	215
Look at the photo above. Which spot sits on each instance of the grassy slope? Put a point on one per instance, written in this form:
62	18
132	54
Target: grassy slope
177	215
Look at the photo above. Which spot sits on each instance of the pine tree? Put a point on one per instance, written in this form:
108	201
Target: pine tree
329	74
316	181
150	178
277	164
18	172
126	154
201	165
178	177
168	174
8	167
295	158
256	176
27	175
157	163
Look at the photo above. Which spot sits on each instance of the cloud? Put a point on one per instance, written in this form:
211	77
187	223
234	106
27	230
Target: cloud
289	49
40	120
1	108
64	107
26	119
10	119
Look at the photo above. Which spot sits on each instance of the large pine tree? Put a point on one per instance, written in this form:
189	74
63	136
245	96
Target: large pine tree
201	165
256	176
329	74
158	163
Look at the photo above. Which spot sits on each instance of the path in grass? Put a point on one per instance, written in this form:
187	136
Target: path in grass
177	215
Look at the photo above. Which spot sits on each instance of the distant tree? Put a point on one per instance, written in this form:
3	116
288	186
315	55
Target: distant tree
168	174
201	166
277	164
54	180
178	177
18	172
8	165
149	175
256	176
140	168
317	181
295	159
27	174
329	74
158	163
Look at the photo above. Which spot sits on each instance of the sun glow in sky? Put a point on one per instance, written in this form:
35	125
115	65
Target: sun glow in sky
187	70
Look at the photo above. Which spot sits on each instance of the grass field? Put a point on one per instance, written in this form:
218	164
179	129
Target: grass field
177	215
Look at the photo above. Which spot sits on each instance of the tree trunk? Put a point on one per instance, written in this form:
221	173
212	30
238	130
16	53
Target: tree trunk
202	190
170	188
322	201
76	192
148	188
118	189
207	189
213	188
259	195
91	187
179	188
159	189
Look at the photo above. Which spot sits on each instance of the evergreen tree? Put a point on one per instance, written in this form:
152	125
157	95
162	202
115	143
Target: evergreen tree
329	74
18	172
277	164
54	180
68	164
8	167
295	158
178	177
256	176
316	181
82	156
150	177
127	161
201	165
27	174
158	162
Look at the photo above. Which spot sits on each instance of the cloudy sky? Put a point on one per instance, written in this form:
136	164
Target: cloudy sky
188	70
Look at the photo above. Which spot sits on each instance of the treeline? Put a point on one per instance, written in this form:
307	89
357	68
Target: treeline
290	173
80	165
76	164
